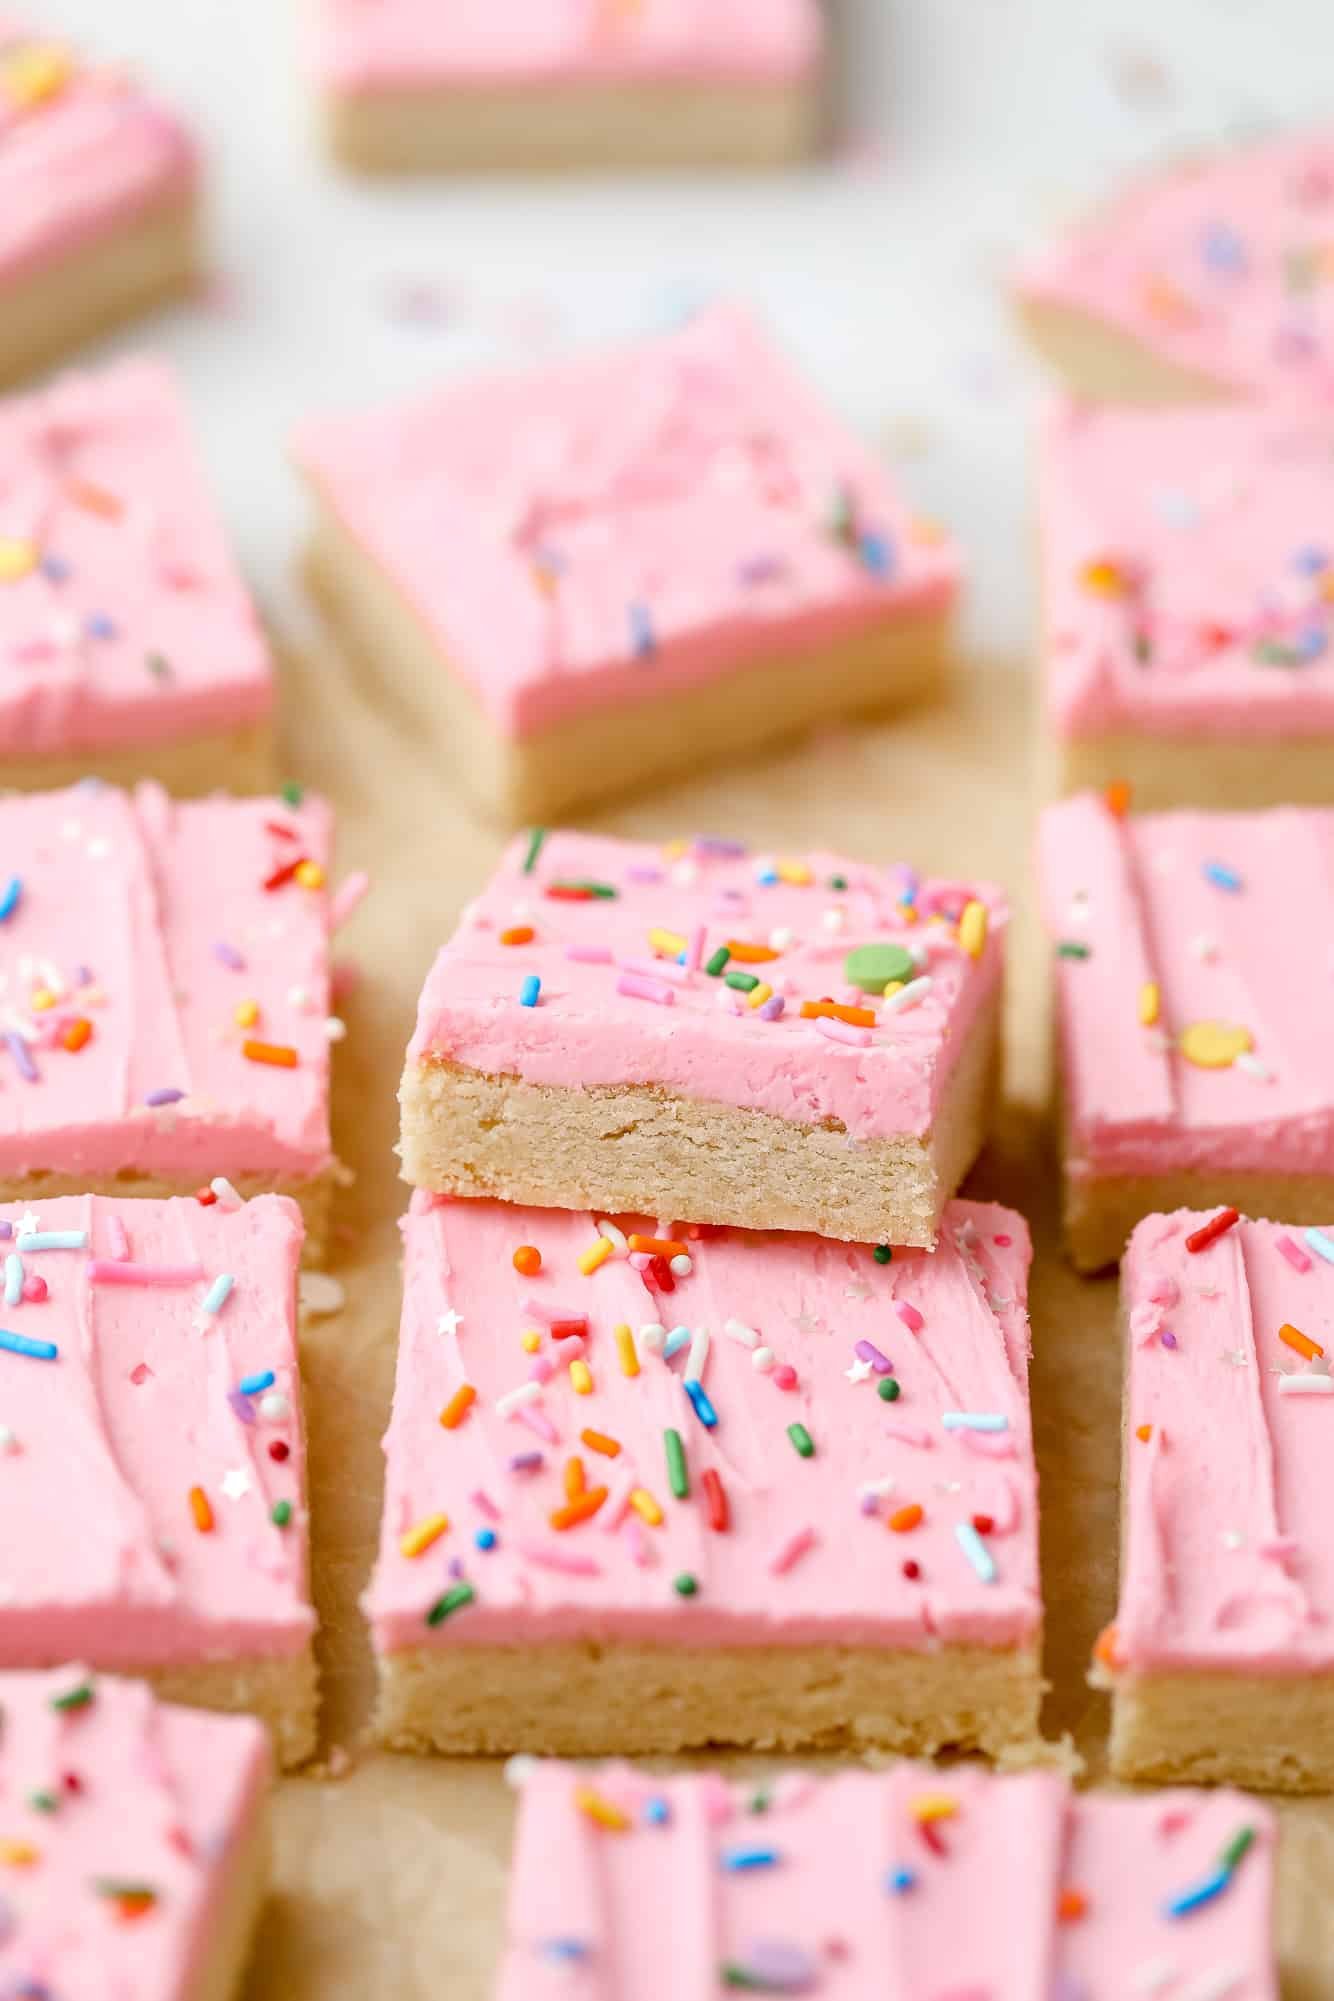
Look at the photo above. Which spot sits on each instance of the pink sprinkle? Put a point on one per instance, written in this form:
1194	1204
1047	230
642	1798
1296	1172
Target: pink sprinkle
1002	1243
483	1503
546	1311
612	1512
35	1288
346	898
640	1260
589	955
791	1551
909	1315
568	1560
1164	1291
540	1370
695	948
638	987
109	1271
654	970
120	1243
785	1376
1294	1253
538	1421
988	1444
911	1434
842	1031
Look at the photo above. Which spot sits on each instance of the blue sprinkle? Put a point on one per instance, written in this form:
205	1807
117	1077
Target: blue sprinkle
675	1342
216	1298
656	1811
55	569
529	991
704	1410
975	1420
766	875
485	1538
973	1547
641	632
1221	876
9	901
1202	1892
563	1950
54	1240
263	1379
1223	248
99	626
876	554
19	1344
1322	1245
1310	643
899	1880
13	1279
748	1858
1310	561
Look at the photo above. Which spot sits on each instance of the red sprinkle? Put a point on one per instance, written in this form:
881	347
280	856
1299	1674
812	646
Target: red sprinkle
912	1569
71	1782
983	1524
283	833
931	1835
35	1288
785	1376
565	1330
282	875
716	1499
570	893
659	1274
205	1197
1217	1226
279	1449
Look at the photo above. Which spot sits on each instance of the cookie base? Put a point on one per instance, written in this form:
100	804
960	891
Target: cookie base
589	1699
1164	773
1101	1211
542	776
239	760
1099	362
98	284
614	124
1198	1727
637	1149
314	1197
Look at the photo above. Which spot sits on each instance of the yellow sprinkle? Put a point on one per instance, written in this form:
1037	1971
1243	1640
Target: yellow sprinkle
934	1806
18	1854
601	1810
35	72
1214	1045
973	928
531	1341
670	943
42	999
597	1254
1106	579
759	995
645	1506
17	559
625	1348
247	1013
426	1532
893	987
310	875
581	1376
795	873
1150	1001
672	851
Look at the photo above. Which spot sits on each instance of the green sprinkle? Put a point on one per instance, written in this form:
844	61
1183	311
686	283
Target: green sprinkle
1237	1847
745	983
838	882
602	891
677	1476
802	1439
871	968
292	794
159	666
1070	948
457	1596
44	1802
535	840
685	1586
887	1388
125	1887
761	1801
74	1698
280	1514
714	965
882	1254
737	1976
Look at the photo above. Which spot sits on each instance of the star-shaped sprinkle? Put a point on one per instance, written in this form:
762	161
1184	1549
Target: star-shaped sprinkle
859	1371
28	1225
235	1483
449	1323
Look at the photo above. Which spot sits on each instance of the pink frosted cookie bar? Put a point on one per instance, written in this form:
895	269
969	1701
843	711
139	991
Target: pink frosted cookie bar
625	565
98	191
134	1844
910	1883
164	996
647	1492
1187	594
692	1030
1226	1609
1194	1062
406	86
1202	282
152	1447
128	644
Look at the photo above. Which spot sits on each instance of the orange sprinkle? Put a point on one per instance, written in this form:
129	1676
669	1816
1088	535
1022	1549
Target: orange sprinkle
659	1247
581	1510
1144	1432
907	1518
750	955
93	499
604	1811
1072	1904
18	1854
462	1401
1116	797
1294	1338
858	1017
598	1441
76	1033
201	1510
276	1053
309	874
518	934
527	1260
575	1481
135	1904
1105	1647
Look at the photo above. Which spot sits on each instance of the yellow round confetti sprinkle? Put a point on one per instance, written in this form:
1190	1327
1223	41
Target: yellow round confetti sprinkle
1215	1045
531	1341
18	558
35	72
310	875
1105	579
247	1013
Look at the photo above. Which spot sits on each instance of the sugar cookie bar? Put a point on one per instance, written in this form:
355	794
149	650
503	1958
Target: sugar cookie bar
1226	1588
98	200
408	87
695	1031
624	566
128	642
1187	597
135	1842
901	1882
1194	1068
152	1447
645	1493
164	996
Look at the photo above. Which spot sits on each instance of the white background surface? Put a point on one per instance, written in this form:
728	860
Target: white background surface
966	128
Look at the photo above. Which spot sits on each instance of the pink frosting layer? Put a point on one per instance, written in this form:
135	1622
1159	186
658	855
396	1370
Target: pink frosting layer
674	1901
1226	1564
79	156
807	1555
1223	917
1220	267
708	1043
1187	578
152	1799
122	616
627	523
150	921
367	45
104	1442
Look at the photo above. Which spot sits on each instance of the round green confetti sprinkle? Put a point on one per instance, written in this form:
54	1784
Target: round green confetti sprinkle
882	1253
44	1802
685	1586
292	794
802	1439
838	882
871	968
888	1389
280	1514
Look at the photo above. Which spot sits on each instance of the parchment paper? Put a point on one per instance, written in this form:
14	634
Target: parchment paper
390	1878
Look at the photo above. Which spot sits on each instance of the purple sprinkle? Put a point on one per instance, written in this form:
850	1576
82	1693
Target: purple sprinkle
23	1062
166	1096
99	626
780	1967
227	955
1168	1338
456	1566
83	976
240	1403
772	1008
715	844
527	1462
643	872
869	1504
6	1230
55	569
761	570
867	1351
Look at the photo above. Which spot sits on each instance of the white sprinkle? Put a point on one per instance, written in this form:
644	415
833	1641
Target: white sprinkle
449	1322
320	1295
699	1355
519	1769
1248	1061
616	1238
1202	947
879	1490
737	1330
763	1360
1152	1975
833	919
1213	1985
859	1371
274	1406
653	1337
780	939
1306	1386
515	1399
226	1194
8	1441
334	1029
909	996
680	1266
235	1483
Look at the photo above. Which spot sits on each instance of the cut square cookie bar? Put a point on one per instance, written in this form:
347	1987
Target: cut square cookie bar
406	87
1227	1590
153	1450
127	639
907	1882
1187	602
98	199
695	1031
646	1493
625	565
164	996
1205	281
135	1842
1194	1068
